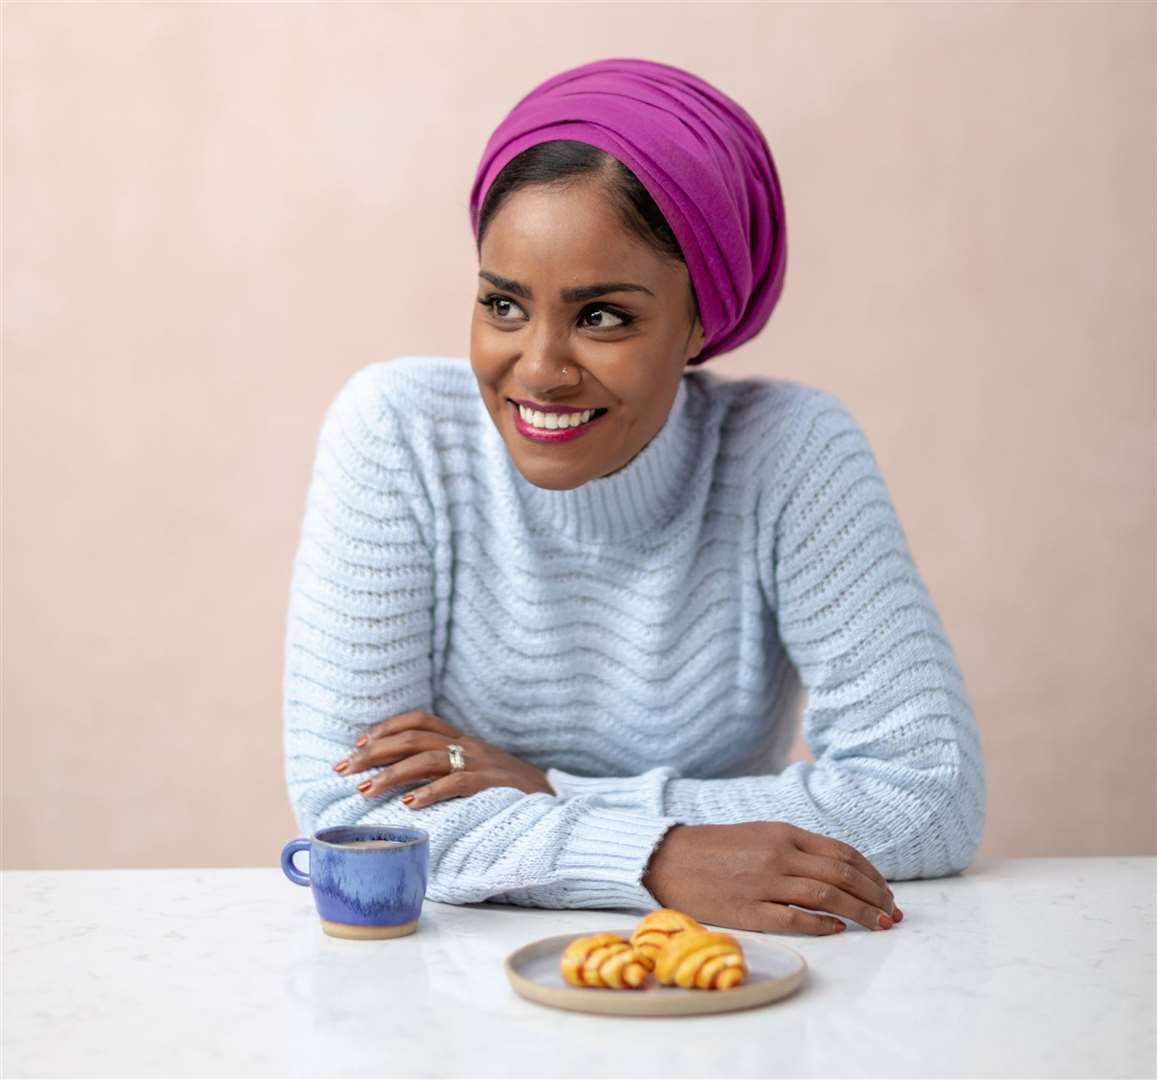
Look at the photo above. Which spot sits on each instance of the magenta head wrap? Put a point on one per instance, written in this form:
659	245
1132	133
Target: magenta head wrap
700	156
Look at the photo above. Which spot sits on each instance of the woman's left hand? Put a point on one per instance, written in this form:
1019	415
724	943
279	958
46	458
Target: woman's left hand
414	746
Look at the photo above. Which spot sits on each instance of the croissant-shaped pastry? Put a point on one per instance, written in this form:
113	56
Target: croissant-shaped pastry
701	959
657	928
604	959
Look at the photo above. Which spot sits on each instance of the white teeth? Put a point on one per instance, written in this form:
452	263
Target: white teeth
554	421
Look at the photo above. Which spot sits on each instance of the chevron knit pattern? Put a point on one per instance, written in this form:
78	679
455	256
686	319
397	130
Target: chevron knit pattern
644	638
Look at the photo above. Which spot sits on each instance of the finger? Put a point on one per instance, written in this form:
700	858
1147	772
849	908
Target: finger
816	844
820	895
410	721
428	766
455	786
844	875
396	748
779	917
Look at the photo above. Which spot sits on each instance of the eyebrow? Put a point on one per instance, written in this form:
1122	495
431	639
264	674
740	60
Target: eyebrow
569	296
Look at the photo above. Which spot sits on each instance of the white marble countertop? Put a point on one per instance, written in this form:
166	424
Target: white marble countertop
1017	968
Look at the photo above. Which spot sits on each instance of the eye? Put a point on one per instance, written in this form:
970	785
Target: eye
488	302
491	302
624	320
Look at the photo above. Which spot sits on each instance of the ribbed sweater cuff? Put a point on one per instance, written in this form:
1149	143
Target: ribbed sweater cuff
642	794
605	857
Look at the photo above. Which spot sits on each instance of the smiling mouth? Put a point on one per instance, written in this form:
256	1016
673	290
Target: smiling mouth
556	434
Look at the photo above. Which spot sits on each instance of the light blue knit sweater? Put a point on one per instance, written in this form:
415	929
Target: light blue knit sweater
642	638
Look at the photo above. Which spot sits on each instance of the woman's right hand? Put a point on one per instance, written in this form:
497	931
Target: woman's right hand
743	876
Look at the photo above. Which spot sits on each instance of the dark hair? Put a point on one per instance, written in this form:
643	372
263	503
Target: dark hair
560	162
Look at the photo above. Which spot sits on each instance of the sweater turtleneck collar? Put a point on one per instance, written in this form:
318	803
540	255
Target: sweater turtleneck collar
641	496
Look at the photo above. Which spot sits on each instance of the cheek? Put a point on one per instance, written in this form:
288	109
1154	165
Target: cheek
485	358
490	354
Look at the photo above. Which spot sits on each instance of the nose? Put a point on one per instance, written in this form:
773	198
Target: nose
547	367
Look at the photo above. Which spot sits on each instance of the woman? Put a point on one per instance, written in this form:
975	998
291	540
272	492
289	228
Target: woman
569	649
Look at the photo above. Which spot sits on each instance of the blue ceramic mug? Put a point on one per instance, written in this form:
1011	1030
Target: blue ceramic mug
368	881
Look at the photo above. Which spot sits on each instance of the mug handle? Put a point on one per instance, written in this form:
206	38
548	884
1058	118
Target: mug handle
287	864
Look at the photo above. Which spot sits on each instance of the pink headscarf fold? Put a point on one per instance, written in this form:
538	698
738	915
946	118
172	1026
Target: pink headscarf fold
701	157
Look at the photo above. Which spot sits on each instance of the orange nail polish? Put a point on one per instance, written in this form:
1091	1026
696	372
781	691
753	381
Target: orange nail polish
364	785
341	766
361	742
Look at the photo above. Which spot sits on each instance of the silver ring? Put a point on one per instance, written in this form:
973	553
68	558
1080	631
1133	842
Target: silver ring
457	757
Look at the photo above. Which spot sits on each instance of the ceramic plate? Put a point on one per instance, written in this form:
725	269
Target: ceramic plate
774	971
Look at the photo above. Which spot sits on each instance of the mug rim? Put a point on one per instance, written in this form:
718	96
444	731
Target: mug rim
422	838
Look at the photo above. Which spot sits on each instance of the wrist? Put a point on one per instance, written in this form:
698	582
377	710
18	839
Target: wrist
659	865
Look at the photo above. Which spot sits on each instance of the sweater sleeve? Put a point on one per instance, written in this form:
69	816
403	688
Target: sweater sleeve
358	650
899	772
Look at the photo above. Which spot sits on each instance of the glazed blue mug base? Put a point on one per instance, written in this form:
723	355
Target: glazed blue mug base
364	893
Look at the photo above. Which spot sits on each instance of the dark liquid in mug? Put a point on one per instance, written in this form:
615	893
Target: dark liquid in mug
372	843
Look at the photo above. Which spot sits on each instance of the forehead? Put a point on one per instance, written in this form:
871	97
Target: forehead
573	230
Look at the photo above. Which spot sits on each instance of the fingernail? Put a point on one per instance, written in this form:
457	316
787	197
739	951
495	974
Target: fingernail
408	798
341	766
364	785
897	914
361	742
885	922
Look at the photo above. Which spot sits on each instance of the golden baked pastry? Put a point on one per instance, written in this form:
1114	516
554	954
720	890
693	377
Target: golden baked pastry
603	959
701	960
657	928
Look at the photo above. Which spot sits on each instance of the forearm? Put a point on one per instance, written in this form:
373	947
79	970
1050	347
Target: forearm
908	824
502	844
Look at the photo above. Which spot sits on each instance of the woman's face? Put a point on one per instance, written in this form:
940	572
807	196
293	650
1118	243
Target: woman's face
624	348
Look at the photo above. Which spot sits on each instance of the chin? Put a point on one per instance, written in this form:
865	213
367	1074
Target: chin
552	479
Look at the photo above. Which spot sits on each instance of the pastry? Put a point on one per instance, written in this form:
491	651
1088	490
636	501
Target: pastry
604	959
657	928
701	960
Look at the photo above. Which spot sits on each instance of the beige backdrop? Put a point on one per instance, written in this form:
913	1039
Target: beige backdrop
214	213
